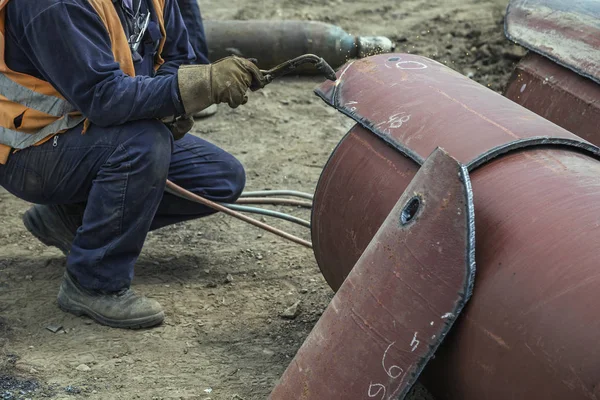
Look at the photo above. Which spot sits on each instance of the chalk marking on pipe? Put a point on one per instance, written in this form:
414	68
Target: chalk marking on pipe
390	369
379	386
418	65
339	79
415	343
352	109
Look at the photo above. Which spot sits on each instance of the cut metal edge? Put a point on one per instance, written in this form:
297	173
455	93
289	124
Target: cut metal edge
535	49
483	158
468	284
365	123
521	144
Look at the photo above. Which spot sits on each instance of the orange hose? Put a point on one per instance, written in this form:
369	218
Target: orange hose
178	190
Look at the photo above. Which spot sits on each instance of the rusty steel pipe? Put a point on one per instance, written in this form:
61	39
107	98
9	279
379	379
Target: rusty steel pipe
560	78
531	328
557	94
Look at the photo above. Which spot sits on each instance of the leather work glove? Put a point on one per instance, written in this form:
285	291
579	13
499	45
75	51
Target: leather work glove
179	126
225	81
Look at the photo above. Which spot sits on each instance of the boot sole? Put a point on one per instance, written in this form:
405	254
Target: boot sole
79	310
30	226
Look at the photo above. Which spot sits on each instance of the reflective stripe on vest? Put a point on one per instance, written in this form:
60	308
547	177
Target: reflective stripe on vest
31	109
20	94
20	140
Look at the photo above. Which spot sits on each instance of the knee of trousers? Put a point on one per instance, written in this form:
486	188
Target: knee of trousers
235	176
149	146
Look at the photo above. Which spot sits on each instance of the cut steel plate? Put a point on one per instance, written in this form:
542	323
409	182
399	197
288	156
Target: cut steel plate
531	329
567	32
401	298
557	94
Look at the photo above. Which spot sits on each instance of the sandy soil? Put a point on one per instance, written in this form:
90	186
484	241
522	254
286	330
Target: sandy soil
224	340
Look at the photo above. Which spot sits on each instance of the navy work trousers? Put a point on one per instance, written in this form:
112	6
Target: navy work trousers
190	11
118	174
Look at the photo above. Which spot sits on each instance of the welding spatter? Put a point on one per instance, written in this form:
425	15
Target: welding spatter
291	65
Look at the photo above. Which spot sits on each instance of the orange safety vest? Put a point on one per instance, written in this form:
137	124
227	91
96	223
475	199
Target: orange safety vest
41	111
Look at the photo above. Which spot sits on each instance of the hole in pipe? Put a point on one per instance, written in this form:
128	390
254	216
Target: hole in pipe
410	210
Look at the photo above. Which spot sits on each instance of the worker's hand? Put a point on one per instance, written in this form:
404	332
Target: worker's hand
180	126
225	81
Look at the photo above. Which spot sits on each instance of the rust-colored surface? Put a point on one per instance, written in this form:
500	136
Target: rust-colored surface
414	105
557	94
530	330
567	32
399	301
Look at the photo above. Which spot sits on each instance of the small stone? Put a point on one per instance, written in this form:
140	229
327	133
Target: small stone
83	368
229	278
29	277
211	285
72	390
303	291
88	322
268	352
291	312
284	102
54	328
259	257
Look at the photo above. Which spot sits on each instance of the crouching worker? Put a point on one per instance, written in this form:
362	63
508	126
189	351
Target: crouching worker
85	86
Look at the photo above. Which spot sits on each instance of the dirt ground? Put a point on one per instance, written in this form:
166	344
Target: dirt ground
224	338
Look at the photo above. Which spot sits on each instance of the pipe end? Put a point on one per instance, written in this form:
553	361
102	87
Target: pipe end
372	45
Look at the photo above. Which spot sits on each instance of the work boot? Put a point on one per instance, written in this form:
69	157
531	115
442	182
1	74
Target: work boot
123	309
54	225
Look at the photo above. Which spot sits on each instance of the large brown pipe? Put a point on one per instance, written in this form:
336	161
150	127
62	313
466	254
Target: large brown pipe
531	328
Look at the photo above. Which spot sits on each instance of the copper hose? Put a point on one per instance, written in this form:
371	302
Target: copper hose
181	192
